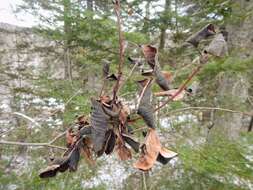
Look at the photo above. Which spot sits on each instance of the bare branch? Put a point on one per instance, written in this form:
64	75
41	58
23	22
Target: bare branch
121	48
31	144
209	108
181	88
27	117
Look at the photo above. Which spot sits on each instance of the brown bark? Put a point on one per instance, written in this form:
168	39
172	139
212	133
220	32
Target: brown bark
164	26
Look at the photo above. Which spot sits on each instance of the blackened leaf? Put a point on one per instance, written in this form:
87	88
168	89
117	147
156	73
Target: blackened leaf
99	125
110	112
165	155
86	150
110	142
106	68
112	77
160	78
85	131
147	73
49	171
74	159
131	142
137	61
150	53
205	32
145	109
58	164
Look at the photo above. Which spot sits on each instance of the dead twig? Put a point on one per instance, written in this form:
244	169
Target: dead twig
31	144
121	48
182	87
208	108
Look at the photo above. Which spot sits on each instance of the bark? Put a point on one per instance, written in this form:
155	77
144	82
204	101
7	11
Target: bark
164	26
147	15
67	41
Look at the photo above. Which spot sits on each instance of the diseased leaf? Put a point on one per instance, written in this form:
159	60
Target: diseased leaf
112	77
150	53
205	32
106	68
70	137
110	142
82	120
86	151
99	125
123	152
153	151
74	158
165	155
145	109
131	142
138	61
58	164
161	79
150	151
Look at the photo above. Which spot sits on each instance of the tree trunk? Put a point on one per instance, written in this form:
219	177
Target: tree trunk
164	25
67	41
145	28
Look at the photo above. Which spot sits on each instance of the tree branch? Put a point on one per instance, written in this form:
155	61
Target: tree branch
121	48
209	108
32	144
181	88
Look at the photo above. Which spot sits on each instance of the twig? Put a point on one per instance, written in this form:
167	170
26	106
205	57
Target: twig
32	144
176	94
6	132
121	48
181	88
142	93
27	117
130	74
57	137
68	101
144	180
209	108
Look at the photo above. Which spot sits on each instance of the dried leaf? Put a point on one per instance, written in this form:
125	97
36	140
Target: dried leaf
58	164
123	152
131	142
70	137
85	131
138	61
205	32
112	77
167	75
82	120
106	68
86	151
99	125
218	46
74	158
165	155
49	171
150	151
161	79
110	142
145	109
150	53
